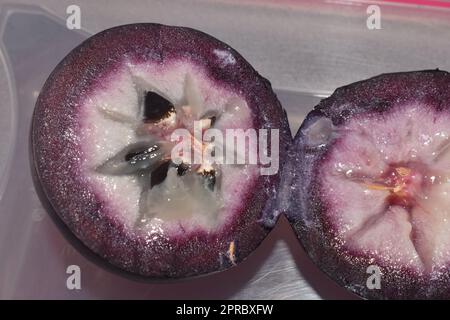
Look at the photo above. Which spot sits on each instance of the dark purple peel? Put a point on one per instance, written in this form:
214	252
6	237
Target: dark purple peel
341	133
58	156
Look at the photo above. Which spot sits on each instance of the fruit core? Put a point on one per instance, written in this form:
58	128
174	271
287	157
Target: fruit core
385	182
126	135
404	183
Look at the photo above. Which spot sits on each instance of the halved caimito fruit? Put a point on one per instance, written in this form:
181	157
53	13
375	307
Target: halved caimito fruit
102	142
370	197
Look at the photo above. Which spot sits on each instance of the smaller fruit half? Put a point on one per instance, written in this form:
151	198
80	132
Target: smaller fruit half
370	194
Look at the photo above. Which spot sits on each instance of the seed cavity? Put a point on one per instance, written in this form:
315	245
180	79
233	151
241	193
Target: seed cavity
179	197
166	188
156	107
135	158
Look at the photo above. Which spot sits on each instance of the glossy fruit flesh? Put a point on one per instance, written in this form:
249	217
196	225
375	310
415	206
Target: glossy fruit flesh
102	139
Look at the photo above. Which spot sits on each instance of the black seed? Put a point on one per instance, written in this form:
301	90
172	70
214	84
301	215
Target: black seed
135	158
159	174
142	153
182	169
156	107
133	154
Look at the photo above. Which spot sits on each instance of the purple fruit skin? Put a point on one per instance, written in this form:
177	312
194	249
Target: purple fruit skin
376	95
57	155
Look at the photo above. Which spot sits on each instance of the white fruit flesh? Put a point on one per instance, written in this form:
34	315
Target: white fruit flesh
386	185
111	119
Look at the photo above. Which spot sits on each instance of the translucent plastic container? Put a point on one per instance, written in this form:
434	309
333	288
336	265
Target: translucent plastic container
306	49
